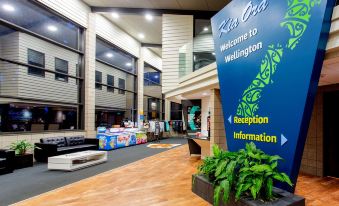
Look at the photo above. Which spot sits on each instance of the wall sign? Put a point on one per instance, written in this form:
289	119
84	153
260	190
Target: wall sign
269	56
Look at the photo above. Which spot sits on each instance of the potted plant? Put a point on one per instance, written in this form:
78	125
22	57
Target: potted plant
243	178
22	158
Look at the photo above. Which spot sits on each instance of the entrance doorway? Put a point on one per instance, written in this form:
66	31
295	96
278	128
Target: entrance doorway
331	134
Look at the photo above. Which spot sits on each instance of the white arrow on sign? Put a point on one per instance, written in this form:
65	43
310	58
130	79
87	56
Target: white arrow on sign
283	140
230	119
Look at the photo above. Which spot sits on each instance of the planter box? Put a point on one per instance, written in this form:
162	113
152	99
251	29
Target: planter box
204	189
22	161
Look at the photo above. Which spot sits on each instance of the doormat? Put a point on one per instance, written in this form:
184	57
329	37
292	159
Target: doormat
162	146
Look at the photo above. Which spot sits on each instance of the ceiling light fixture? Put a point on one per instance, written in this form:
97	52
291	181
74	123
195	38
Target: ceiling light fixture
204	94
52	28
213	53
109	55
148	17
115	15
128	64
8	7
141	36
205	28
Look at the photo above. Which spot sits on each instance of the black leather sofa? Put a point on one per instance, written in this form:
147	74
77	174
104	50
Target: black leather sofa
53	146
6	161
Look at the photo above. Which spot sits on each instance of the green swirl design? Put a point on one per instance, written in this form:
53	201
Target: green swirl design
296	20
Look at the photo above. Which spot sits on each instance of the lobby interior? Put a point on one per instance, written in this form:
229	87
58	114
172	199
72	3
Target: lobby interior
80	73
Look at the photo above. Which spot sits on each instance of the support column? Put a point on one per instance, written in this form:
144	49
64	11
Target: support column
141	88
167	110
89	77
218	134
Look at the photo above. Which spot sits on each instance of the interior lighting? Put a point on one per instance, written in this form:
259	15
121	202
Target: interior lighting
115	15
141	36
52	28
148	17
8	7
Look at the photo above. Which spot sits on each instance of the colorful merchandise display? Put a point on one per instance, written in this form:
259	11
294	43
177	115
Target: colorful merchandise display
113	138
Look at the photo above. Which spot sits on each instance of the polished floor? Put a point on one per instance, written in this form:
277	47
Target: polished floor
162	180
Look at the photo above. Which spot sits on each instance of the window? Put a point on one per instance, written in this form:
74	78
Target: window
98	80
121	86
37	59
43	22
114	56
62	67
110	83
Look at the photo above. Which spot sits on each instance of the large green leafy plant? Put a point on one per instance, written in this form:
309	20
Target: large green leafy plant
21	147
248	172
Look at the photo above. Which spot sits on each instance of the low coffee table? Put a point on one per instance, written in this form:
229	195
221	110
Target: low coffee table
78	160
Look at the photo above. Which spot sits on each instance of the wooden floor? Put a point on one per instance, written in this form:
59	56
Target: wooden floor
162	180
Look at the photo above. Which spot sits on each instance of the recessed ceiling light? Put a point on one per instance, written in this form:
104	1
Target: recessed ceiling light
204	94
52	28
141	36
115	15
8	7
156	76
205	28
109	55
213	53
128	64
148	17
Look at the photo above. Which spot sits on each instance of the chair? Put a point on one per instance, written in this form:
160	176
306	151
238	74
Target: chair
6	161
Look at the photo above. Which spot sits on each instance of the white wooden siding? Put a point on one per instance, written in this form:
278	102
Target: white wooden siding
151	58
117	36
9	73
76	10
46	88
203	43
104	98
177	30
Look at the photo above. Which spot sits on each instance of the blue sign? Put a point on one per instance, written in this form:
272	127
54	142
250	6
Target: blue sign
269	58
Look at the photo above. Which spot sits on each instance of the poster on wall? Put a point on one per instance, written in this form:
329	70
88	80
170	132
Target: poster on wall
269	58
194	118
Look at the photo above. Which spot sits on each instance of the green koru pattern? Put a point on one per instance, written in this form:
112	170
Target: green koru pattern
296	20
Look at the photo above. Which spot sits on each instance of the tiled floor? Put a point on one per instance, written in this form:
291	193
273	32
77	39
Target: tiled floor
162	180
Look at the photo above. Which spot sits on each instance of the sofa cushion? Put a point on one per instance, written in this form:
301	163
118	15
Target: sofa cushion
76	147
59	141
2	163
76	140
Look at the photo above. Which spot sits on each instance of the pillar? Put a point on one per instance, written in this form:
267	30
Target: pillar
141	88
89	77
218	134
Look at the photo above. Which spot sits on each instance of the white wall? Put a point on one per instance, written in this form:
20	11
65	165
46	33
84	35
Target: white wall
153	59
177	31
203	43
76	10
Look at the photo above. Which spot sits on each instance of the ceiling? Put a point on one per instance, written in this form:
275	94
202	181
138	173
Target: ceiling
135	24
201	5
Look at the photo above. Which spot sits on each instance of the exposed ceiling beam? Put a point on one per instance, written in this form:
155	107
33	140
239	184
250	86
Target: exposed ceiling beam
151	45
155	12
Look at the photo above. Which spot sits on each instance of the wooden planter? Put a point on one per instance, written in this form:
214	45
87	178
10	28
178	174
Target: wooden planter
22	161
204	189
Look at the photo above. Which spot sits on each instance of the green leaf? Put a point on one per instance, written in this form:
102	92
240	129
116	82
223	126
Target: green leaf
274	165
257	182
238	191
220	168
269	188
287	179
216	151
278	177
253	192
261	168
274	158
225	185
243	175
216	199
